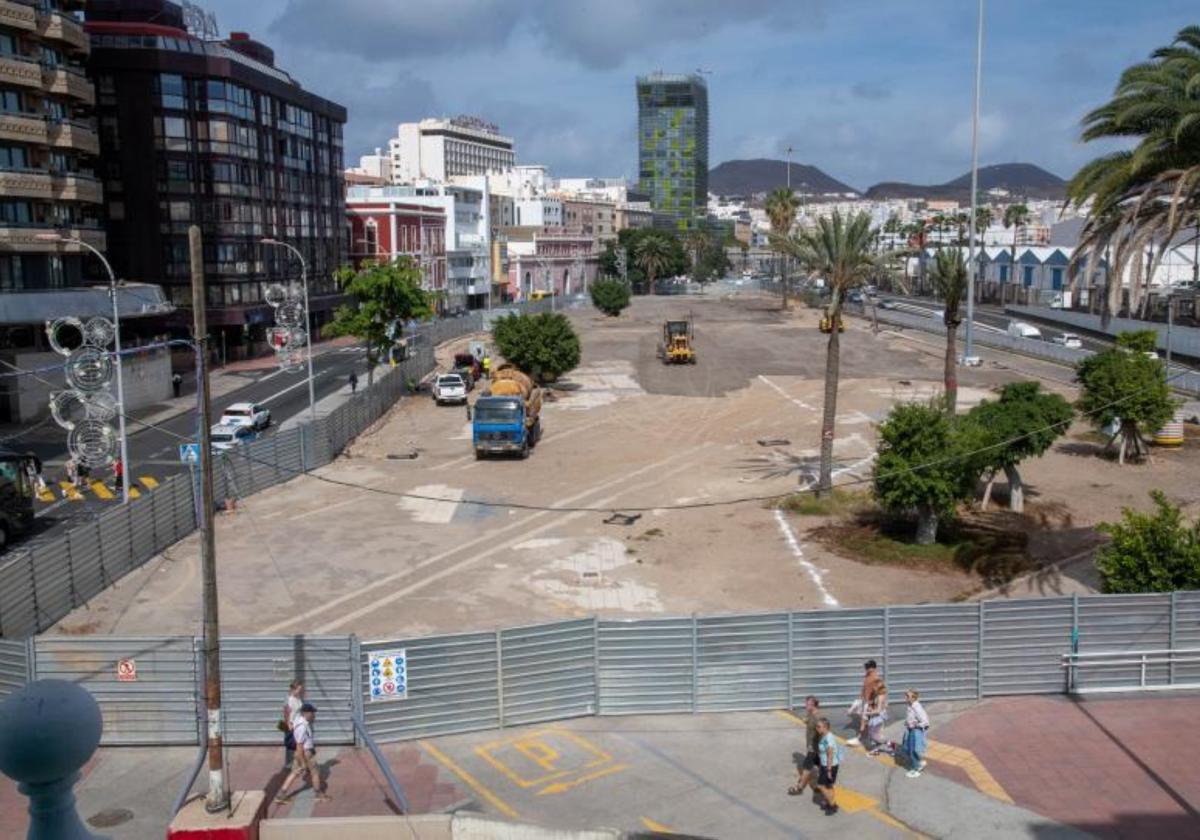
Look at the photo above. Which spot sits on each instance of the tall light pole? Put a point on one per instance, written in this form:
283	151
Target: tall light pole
972	267
312	398
112	293
789	168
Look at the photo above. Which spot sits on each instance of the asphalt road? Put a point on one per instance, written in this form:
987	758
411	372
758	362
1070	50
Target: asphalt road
154	451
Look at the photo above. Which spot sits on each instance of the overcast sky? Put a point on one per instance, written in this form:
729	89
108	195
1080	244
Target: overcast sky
867	90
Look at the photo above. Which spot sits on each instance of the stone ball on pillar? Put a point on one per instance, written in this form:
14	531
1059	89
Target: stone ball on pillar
48	731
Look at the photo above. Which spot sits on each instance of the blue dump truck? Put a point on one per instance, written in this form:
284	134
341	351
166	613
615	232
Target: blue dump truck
506	419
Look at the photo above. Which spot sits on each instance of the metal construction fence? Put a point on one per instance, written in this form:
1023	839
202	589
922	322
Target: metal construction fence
149	688
43	581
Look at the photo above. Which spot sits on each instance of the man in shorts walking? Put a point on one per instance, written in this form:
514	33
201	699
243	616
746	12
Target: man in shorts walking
829	754
306	756
808	765
861	707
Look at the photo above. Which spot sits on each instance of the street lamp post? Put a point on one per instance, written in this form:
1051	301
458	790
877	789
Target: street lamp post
312	398
112	293
973	267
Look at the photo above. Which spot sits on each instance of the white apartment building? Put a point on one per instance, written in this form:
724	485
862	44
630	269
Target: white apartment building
440	149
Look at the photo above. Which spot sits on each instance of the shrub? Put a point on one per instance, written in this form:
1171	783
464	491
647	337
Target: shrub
610	296
545	346
1150	552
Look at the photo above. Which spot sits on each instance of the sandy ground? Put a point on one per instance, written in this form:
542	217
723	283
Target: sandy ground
384	547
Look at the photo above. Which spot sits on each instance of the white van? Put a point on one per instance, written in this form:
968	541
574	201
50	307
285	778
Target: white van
1020	329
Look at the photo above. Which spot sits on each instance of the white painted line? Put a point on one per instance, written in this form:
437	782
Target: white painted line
814	574
435	511
302	383
785	394
320	510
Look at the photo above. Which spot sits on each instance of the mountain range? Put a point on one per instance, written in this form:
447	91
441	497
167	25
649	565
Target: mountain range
747	177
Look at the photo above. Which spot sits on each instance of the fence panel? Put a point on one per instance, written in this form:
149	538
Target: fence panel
51	564
14	666
934	649
18	598
85	556
156	706
1187	633
828	650
256	672
452	687
1023	644
1123	622
116	558
742	662
548	672
645	666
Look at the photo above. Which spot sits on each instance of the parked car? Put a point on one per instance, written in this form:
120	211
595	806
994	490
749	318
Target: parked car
225	436
1020	329
854	296
887	303
246	414
469	367
1068	340
449	388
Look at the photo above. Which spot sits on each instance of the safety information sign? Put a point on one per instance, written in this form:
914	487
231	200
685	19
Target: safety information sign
388	675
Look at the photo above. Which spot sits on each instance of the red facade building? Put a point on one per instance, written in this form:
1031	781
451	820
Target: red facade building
383	230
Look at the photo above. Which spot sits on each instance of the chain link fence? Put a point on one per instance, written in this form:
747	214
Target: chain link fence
149	687
41	583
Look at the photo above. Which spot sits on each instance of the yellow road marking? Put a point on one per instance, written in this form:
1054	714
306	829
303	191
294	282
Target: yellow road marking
562	787
851	801
134	493
46	495
70	491
537	751
535	747
652	825
100	490
148	482
445	760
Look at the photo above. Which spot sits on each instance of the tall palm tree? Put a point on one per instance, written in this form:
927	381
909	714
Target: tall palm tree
1016	216
949	275
983	220
840	249
653	256
1146	194
781	206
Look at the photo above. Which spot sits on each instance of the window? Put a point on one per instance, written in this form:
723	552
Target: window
372	237
1028	275
16	212
1056	277
1003	274
8	44
172	91
13	157
11	102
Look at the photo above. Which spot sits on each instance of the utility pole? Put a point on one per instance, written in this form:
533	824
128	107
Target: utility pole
789	168
968	349
218	792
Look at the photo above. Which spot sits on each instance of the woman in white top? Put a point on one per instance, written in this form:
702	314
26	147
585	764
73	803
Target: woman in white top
291	708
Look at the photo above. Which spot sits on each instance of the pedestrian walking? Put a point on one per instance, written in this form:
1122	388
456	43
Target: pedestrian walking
177	384
291	708
871	681
829	754
84	473
807	767
118	469
306	756
33	469
877	716
353	382
72	470
916	738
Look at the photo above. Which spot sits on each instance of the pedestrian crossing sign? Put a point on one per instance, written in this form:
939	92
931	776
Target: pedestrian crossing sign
388	675
189	453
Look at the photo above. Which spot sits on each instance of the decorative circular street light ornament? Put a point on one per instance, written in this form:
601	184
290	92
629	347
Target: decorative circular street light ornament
93	443
99	332
89	368
68	408
66	335
100	405
275	295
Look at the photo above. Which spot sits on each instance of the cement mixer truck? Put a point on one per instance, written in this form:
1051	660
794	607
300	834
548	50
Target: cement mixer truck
506	419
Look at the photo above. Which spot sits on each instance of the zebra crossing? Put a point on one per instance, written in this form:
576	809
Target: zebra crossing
65	490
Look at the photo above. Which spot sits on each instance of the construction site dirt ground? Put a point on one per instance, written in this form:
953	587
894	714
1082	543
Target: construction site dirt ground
392	546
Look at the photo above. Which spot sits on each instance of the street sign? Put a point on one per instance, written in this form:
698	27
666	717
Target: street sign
388	675
126	670
189	453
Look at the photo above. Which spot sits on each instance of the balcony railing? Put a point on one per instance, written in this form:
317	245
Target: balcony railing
70	82
23	128
16	70
55	26
17	16
74	135
75	186
23	238
27	183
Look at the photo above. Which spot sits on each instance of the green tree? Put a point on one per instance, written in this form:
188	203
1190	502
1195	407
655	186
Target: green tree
711	261
653	257
610	296
983	219
920	467
1126	386
1150	552
1148	190
545	345
781	206
841	250
386	295
1023	423
949	276
1016	216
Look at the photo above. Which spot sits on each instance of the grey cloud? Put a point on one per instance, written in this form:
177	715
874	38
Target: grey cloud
871	91
594	33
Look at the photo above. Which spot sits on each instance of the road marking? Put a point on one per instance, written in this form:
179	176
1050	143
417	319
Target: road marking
547	439
302	383
150	483
445	760
100	490
564	786
396	595
46	495
70	491
785	394
134	493
851	801
482	539
307	514
538	748
969	763
814	574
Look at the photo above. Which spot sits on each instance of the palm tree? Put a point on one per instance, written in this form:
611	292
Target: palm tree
842	251
652	255
983	220
1145	194
781	208
1015	217
949	275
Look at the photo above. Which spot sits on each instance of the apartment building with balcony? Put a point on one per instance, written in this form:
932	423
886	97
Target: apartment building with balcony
48	147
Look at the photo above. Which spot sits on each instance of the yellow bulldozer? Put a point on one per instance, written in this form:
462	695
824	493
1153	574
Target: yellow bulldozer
678	339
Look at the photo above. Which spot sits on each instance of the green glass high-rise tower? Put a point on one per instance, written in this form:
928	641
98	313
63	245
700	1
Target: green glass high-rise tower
673	146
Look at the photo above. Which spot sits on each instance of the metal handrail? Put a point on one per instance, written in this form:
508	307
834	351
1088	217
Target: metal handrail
1143	659
1095	654
190	779
397	791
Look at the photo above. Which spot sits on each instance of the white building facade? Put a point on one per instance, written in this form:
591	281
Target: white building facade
440	149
